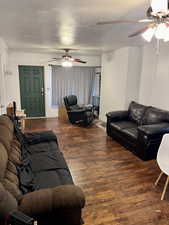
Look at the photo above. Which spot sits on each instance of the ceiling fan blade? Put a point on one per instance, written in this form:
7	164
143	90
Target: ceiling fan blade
79	61
52	60
124	21
145	21
141	30
55	59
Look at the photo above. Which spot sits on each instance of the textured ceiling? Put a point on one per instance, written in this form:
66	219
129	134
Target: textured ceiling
46	25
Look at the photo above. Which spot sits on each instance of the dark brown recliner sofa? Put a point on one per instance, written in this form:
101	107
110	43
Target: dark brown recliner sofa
61	204
140	129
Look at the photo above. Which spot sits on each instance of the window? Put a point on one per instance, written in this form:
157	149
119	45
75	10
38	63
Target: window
79	81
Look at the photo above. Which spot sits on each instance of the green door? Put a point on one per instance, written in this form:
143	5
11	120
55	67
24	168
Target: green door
32	90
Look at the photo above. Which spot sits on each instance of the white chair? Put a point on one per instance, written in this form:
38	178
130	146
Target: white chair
163	161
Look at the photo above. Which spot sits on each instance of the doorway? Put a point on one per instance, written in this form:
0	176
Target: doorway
32	90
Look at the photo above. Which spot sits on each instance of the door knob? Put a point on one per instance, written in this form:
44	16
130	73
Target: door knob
42	91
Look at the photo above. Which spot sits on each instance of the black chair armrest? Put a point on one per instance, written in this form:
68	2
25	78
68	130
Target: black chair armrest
153	130
77	111
86	107
117	115
89	108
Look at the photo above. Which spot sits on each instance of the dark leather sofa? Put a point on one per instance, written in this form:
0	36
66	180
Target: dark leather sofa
139	129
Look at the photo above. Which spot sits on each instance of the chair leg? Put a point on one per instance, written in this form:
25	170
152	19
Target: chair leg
165	187
158	179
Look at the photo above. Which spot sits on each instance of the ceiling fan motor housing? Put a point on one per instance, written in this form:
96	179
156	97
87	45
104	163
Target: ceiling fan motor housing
158	15
66	56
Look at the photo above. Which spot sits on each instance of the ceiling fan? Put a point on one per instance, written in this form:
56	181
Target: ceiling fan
67	59
158	19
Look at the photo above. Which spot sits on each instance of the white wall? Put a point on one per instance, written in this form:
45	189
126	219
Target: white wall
154	86
120	79
23	58
133	74
3	68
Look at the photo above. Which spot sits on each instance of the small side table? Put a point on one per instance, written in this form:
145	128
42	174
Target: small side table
62	114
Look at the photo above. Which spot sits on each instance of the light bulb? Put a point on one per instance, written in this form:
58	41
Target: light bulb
159	6
160	31
166	35
67	63
148	34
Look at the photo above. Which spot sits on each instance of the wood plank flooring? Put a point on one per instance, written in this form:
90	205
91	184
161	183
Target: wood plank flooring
119	187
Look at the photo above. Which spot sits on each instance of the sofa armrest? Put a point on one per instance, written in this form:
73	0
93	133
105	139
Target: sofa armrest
46	201
153	130
150	134
149	139
117	115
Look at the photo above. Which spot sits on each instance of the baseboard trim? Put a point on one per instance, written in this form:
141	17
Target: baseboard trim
44	117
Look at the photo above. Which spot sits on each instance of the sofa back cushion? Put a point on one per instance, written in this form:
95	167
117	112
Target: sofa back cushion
70	101
136	112
4	120
11	181
10	156
3	161
154	115
6	134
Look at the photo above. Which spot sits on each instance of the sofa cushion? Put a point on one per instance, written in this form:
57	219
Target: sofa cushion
46	156
49	166
136	112
5	121
12	188
6	136
3	161
52	178
12	167
16	143
132	133
15	155
7	202
12	177
120	125
153	116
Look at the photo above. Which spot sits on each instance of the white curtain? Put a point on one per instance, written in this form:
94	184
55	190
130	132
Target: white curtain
77	81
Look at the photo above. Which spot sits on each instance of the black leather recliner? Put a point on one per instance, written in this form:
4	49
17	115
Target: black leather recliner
78	114
140	129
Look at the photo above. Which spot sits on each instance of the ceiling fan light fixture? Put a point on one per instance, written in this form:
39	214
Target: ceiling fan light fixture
148	34
67	63
159	6
160	31
166	35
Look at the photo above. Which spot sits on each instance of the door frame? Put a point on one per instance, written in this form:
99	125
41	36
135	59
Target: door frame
3	87
44	96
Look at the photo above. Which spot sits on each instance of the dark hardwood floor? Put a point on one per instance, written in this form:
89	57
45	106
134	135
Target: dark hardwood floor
119	187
